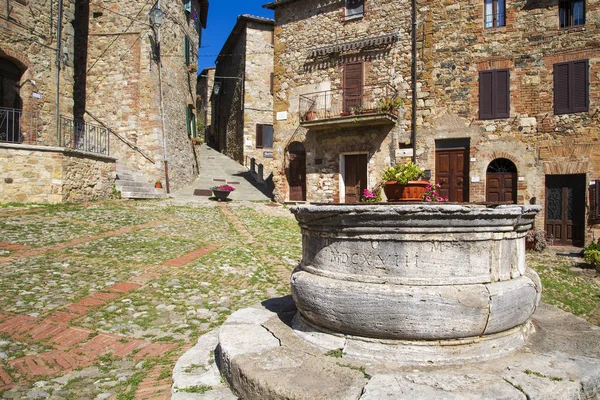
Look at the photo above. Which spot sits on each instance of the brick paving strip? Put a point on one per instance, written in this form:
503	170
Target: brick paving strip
30	252
72	349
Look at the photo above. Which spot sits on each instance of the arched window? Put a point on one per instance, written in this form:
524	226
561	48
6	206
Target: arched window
501	181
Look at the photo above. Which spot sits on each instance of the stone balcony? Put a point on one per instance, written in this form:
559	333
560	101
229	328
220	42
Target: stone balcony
369	106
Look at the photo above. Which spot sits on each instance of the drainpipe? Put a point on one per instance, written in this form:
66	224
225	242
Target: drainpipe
58	51
413	133
162	108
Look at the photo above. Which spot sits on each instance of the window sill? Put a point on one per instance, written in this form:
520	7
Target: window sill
575	28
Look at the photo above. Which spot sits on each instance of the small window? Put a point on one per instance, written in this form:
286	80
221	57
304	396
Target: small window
571	13
264	136
495	13
190	119
494	94
355	9
571	87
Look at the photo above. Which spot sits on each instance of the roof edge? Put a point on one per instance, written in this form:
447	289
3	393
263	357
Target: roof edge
277	3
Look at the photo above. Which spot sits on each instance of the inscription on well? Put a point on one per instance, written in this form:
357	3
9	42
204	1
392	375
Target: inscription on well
409	259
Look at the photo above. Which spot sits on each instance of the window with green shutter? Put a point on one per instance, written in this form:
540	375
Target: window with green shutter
186	46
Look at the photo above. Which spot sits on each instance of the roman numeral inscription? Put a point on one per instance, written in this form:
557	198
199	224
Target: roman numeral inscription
410	260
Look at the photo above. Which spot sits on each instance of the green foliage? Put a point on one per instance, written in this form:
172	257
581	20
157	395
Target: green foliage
336	353
402	173
195	389
591	254
389	104
116	194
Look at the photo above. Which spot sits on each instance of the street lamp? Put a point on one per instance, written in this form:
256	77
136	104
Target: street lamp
156	16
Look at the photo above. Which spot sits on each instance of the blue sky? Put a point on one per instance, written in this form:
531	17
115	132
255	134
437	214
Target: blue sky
222	15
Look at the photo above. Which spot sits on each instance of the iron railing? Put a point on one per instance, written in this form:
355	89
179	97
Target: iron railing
79	135
17	126
339	103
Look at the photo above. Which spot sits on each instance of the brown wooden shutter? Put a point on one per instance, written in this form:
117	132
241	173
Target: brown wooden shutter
502	94
353	85
579	78
259	136
271	82
486	95
597	200
561	88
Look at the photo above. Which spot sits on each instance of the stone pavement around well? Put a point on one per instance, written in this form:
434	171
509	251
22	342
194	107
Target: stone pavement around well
100	300
217	169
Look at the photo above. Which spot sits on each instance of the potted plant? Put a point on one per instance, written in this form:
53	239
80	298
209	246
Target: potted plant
192	68
222	192
389	105
402	182
197	141
158	184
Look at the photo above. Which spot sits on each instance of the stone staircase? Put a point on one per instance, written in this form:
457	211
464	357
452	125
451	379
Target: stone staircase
135	186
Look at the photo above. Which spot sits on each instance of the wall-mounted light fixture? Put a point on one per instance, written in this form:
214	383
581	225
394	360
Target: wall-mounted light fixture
216	88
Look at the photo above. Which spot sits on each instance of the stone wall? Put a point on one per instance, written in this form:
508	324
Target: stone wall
206	80
28	39
304	26
227	106
40	174
123	85
258	99
454	47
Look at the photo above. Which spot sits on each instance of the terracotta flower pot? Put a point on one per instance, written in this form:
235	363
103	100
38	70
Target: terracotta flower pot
412	191
158	185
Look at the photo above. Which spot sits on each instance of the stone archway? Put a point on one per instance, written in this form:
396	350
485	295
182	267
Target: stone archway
501	181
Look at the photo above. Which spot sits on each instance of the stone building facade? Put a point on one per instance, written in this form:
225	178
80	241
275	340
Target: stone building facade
242	107
507	100
123	84
40	160
206	80
334	68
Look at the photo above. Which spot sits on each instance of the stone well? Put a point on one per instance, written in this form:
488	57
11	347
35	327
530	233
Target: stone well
416	283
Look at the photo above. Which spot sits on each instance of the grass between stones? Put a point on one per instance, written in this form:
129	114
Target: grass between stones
256	247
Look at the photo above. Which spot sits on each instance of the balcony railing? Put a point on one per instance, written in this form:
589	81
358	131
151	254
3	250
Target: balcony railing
349	104
79	135
25	127
17	126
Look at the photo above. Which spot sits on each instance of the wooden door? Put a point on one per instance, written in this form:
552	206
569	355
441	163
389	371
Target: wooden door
297	172
353	85
355	176
501	188
565	209
452	173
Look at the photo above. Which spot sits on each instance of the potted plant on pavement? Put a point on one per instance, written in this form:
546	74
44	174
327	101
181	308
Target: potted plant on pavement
403	182
222	192
158	184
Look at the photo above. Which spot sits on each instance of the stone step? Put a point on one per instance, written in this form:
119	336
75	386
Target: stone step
143	194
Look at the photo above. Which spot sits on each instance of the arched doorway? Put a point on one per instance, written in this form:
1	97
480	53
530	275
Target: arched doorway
501	181
297	172
10	101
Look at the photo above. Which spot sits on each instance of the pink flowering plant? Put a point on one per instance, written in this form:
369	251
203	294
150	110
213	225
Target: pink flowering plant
223	188
432	194
371	196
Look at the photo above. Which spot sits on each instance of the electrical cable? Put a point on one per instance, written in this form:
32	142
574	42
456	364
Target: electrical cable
116	37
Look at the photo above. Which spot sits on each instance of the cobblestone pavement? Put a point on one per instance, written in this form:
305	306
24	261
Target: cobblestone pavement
99	300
